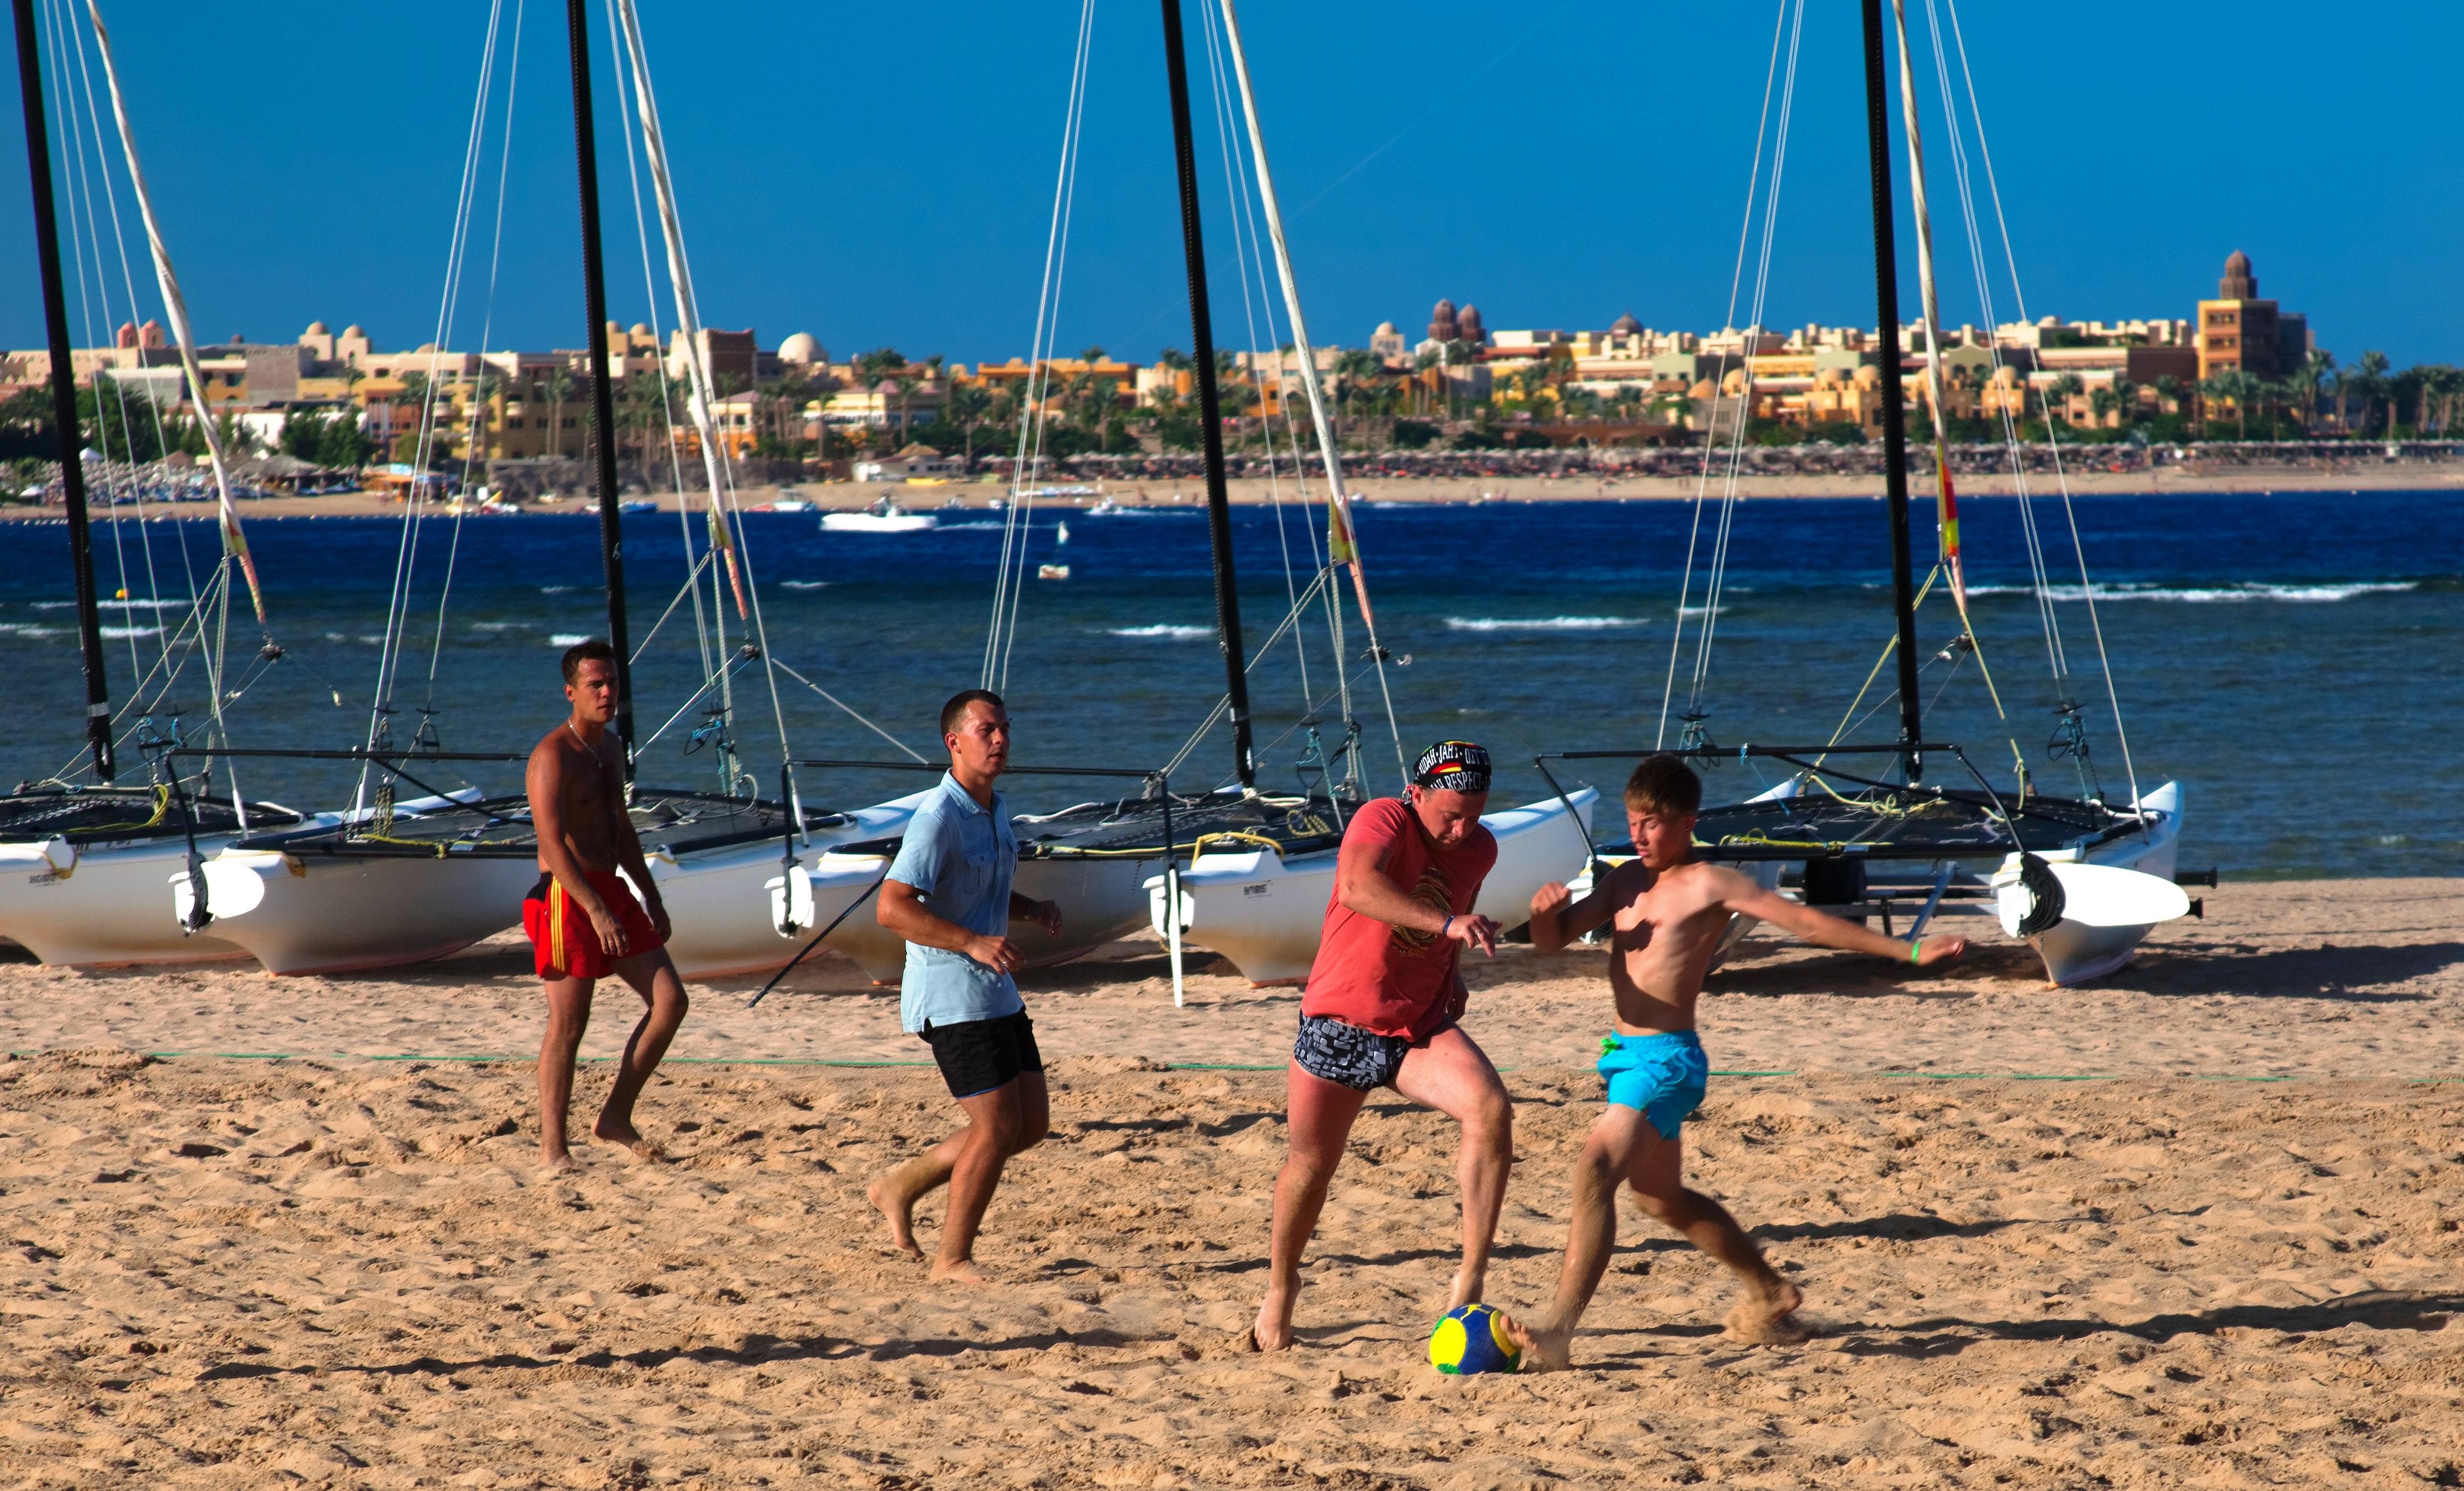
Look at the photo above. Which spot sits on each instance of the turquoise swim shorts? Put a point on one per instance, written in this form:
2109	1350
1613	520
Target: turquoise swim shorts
1660	1076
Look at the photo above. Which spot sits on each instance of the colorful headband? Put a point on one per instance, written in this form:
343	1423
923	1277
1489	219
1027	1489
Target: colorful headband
1452	766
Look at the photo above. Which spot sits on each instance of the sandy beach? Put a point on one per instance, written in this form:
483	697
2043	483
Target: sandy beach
2227	1255
2348	480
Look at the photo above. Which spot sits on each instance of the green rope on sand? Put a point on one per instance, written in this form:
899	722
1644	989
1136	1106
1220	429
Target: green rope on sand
1196	1066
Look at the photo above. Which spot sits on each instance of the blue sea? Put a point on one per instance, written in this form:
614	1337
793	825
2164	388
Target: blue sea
2290	659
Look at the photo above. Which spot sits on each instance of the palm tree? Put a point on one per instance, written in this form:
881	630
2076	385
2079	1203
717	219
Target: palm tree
2102	401
2234	386
2314	372
557	388
965	406
2066	388
2371	383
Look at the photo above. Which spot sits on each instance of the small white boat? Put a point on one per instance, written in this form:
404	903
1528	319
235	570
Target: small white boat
788	505
883	517
1263	912
1105	508
1052	572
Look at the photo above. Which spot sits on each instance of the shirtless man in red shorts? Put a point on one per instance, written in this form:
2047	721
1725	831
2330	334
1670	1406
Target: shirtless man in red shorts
583	919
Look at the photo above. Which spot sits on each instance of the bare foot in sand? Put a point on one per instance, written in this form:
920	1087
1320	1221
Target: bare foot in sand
557	1162
958	1270
896	1202
1468	1285
1273	1331
1769	1317
625	1137
1544	1346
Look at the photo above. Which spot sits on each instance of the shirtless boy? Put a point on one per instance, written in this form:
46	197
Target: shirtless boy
583	919
1380	1011
1668	910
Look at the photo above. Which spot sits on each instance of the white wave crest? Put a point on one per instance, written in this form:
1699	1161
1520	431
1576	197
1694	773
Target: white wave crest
1541	622
27	629
125	606
566	639
1159	630
803	585
554	590
132	632
2195	594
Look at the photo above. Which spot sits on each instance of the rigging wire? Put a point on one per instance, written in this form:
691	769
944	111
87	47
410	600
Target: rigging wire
1711	434
1342	532
666	397
2087	587
1018	518
1716	586
432	395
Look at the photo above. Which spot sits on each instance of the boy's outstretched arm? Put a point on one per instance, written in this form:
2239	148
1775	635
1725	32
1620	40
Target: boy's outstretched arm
1557	918
1741	895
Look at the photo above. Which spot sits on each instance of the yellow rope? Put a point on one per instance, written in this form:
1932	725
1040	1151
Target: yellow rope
162	805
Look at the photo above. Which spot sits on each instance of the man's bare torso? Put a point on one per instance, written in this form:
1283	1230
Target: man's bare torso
587	795
1663	931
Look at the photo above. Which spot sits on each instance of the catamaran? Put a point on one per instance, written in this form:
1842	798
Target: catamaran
400	881
83	859
1864	828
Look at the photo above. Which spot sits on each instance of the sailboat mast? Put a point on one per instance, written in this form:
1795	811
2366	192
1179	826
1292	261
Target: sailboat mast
1210	417
56	326
603	402
1895	433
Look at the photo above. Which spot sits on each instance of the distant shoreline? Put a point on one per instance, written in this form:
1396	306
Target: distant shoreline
2233	481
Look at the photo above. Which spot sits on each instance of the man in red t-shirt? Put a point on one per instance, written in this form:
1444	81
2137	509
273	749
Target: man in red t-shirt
1380	1010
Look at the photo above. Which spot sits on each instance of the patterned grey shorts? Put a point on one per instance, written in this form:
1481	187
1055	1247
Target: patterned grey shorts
1334	1051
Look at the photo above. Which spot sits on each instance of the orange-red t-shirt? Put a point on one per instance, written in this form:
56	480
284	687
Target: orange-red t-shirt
1387	979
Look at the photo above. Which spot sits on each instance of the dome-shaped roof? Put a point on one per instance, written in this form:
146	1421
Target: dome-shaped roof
1386	329
355	329
1625	325
801	347
317	329
1446	308
639	329
2238	263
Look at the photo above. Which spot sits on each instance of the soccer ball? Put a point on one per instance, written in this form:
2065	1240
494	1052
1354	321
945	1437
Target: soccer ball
1473	1339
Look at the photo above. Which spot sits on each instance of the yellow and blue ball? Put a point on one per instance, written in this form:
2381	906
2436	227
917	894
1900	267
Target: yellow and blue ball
1473	1339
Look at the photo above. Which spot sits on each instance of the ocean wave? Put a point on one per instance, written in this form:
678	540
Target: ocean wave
1704	610
1541	622
2212	594
566	639
556	590
125	606
803	585
1160	629
28	629
132	632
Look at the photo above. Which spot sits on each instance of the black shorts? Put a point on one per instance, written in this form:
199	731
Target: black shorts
976	1056
1335	1051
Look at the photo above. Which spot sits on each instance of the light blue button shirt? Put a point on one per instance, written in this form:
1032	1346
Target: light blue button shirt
960	856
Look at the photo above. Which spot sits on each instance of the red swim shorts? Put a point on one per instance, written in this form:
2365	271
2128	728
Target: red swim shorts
562	936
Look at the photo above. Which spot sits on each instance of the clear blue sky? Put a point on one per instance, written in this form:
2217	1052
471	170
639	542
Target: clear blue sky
883	174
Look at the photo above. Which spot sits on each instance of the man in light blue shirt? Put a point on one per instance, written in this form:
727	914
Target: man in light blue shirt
948	893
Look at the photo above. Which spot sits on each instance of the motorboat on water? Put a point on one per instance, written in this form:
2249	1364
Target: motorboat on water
884	516
1262	905
81	870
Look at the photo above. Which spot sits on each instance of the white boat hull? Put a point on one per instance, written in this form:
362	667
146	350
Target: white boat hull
1101	900
101	906
727	906
879	523
2077	950
1264	913
329	914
